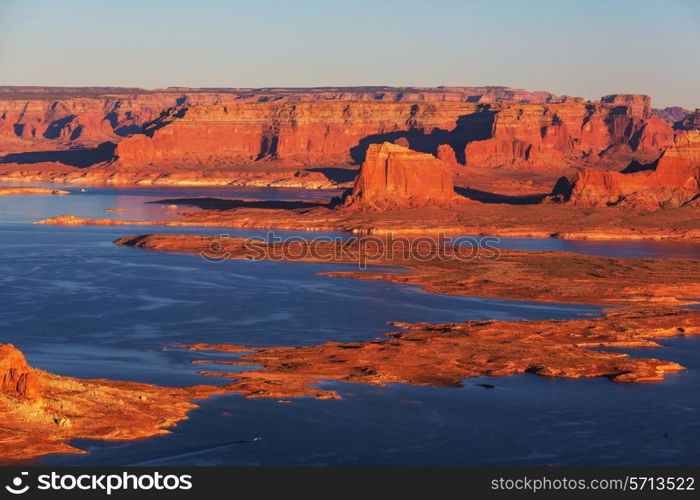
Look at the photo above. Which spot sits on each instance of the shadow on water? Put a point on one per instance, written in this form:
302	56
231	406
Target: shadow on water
223	204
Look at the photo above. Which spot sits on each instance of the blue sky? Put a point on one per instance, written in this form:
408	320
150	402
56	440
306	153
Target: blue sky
586	48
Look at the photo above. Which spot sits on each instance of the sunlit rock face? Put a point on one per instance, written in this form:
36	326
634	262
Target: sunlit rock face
673	182
395	177
17	379
615	130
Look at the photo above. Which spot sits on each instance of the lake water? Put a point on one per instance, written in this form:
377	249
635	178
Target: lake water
138	204
78	305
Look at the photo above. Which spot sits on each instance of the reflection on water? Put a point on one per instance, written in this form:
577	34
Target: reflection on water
78	305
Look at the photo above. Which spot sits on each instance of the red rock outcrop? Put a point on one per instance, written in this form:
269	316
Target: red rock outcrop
395	177
41	412
445	354
16	377
28	190
673	182
545	136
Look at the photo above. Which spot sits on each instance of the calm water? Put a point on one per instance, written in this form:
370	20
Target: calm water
137	203
78	305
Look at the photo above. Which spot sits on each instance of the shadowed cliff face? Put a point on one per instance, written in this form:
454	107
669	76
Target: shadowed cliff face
80	158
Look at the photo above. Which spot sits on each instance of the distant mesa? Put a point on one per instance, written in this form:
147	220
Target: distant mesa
638	103
672	114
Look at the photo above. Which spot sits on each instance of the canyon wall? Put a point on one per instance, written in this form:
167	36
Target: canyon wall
673	181
617	130
35	118
611	133
194	133
309	133
35	125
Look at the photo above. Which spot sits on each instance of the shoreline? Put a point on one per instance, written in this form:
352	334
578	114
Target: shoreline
692	235
126	184
537	276
30	190
43	412
99	176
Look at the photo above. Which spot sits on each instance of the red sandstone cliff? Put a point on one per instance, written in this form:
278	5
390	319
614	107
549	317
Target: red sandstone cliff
36	118
618	129
395	177
675	180
208	135
310	133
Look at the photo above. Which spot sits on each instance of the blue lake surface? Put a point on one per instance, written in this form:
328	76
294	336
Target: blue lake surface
78	305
